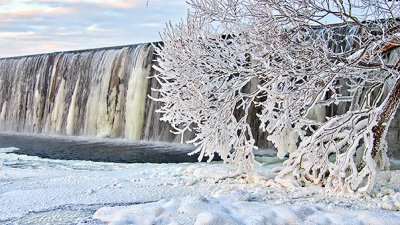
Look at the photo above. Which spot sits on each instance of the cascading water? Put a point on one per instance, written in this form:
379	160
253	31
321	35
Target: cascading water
98	92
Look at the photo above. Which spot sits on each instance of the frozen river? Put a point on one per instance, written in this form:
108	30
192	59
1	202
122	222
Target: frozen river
96	149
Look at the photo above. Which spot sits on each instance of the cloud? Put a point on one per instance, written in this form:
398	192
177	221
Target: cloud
59	11
39	26
28	35
125	5
104	4
28	14
157	25
95	28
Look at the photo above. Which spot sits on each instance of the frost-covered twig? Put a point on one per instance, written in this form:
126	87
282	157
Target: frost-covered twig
287	60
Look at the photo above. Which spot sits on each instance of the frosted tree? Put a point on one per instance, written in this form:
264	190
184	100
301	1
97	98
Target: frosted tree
203	74
345	152
288	60
230	56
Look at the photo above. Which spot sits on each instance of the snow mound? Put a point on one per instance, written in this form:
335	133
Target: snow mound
44	191
231	210
388	190
8	150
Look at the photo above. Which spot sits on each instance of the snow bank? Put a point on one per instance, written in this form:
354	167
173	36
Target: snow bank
33	190
228	210
8	150
237	201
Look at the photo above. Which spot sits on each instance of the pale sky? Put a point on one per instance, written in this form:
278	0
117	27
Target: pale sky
41	26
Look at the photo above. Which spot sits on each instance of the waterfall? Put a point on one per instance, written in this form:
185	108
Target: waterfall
100	92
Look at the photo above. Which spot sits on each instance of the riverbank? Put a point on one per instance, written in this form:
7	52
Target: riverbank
44	191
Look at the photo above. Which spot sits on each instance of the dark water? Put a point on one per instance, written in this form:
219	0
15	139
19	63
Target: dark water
98	150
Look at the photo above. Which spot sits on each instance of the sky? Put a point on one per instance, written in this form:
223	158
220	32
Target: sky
40	26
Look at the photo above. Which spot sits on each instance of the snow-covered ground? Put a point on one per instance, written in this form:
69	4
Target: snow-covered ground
41	191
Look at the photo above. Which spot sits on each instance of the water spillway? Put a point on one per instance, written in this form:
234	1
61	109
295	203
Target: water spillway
99	92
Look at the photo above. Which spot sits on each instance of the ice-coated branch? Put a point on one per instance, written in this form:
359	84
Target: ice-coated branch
345	152
297	62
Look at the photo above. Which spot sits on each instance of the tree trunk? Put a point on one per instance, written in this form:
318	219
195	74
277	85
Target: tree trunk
385	115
